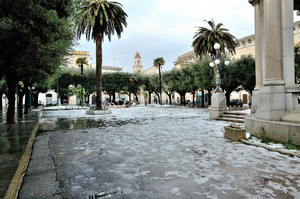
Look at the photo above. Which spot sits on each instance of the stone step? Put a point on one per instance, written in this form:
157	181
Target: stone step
234	113
231	120
232	116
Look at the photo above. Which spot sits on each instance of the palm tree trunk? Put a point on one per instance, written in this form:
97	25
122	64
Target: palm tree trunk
160	85
99	72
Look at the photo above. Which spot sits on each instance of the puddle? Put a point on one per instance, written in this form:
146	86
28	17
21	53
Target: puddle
54	124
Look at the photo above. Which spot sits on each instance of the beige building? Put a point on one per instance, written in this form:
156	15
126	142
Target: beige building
74	55
185	59
246	46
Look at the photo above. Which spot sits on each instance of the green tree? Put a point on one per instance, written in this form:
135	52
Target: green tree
35	36
182	84
79	91
65	79
159	62
205	38
206	78
97	18
147	86
230	76
169	84
154	81
246	65
89	83
133	86
114	83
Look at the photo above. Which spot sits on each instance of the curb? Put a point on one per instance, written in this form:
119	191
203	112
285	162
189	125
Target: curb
271	148
14	187
267	147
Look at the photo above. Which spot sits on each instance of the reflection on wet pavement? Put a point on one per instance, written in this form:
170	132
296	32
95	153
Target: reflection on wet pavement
54	124
13	140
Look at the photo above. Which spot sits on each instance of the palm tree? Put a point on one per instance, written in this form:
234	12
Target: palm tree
81	61
204	39
97	18
158	62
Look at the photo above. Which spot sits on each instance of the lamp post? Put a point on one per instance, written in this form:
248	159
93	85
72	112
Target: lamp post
57	91
81	67
215	61
70	87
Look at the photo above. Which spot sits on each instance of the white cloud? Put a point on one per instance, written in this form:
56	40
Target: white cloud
166	28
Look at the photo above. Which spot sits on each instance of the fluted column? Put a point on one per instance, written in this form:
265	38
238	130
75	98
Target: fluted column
258	42
273	43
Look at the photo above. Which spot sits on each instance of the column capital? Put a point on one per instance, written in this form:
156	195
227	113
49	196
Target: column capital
254	2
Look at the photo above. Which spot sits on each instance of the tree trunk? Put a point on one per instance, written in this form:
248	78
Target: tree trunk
99	71
202	98
136	97
114	97
129	95
170	99
36	100
149	102
209	97
87	98
10	115
194	92
160	96
27	101
227	99
1	97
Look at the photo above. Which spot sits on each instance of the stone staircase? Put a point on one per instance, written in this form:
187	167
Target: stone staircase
232	116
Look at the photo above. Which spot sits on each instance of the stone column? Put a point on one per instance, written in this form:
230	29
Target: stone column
258	43
258	51
271	96
288	42
273	43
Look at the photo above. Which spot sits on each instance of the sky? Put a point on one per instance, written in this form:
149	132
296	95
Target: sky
165	28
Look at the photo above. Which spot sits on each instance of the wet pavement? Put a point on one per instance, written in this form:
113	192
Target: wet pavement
153	152
13	140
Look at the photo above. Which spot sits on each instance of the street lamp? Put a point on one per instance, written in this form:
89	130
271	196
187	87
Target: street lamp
215	60
81	66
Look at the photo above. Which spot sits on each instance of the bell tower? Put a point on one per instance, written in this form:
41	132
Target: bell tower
137	67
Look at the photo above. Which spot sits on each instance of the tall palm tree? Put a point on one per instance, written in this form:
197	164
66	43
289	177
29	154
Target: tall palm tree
81	61
96	19
205	38
158	62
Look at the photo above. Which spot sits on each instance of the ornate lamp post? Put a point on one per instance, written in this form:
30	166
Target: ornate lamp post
81	67
215	61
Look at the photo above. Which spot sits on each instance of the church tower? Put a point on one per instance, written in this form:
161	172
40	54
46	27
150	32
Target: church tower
137	67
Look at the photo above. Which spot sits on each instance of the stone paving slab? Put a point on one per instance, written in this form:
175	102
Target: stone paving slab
159	153
41	171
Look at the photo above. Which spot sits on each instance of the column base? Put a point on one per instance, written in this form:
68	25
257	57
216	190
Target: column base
218	105
271	103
